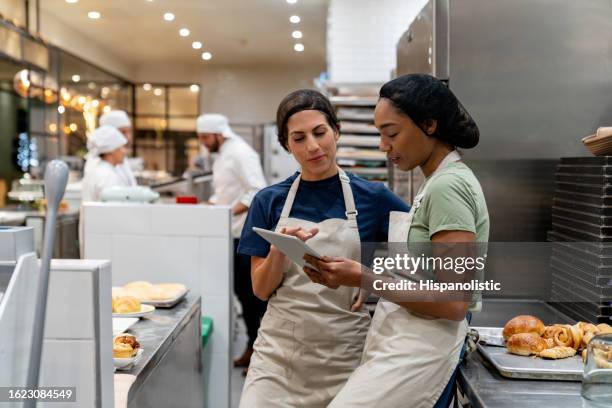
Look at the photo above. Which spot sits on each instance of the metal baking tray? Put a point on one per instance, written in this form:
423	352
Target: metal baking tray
585	188
168	302
582	226
580	289
597	248
588	179
562	294
583	198
587	161
593	281
582	207
584	169
581	216
580	236
577	311
583	256
580	266
533	368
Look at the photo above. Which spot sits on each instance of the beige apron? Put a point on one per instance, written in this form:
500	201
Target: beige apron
309	341
407	359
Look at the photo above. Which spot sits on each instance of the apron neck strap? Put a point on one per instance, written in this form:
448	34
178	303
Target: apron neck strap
349	201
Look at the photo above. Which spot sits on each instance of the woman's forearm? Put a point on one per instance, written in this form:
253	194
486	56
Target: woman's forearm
267	273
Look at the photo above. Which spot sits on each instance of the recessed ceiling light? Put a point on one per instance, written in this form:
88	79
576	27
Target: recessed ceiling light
72	1
295	19
194	88
91	85
168	16
296	34
196	45
76	78
94	15
158	91
298	47
184	32
61	109
206	56
147	87
291	1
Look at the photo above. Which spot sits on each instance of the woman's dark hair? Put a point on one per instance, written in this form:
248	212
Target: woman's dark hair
424	98
301	100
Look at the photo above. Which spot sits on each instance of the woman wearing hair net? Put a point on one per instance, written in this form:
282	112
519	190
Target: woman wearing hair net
120	121
107	149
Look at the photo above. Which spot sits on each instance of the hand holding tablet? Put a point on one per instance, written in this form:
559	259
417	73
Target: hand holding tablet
293	247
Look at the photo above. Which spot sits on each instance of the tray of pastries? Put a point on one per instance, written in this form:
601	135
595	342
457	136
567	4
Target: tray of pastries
532	350
155	294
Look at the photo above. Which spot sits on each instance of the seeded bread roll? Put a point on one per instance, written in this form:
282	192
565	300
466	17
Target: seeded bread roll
523	324
526	344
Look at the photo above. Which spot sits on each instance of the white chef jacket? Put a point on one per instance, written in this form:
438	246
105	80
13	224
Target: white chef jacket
99	175
124	170
237	177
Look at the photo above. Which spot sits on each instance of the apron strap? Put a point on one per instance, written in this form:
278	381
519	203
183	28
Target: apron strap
290	197
349	201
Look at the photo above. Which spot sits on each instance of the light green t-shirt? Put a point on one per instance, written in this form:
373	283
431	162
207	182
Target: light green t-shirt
454	201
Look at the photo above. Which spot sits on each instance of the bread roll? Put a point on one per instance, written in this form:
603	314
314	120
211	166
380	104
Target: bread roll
558	352
125	304
526	344
523	324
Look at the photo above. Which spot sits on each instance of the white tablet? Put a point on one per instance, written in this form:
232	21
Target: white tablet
293	247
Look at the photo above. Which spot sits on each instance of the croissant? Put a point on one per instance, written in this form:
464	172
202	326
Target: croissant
587	327
604	328
125	304
558	352
525	344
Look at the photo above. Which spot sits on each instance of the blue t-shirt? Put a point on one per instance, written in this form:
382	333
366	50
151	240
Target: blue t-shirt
317	201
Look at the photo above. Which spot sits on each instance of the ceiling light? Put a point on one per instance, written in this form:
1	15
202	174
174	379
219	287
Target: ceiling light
94	15
194	88
61	109
184	32
168	16
106	109
91	85
95	103
72	1
196	45
296	34
206	56
158	91
291	1
298	47
76	78
147	87
74	127
295	19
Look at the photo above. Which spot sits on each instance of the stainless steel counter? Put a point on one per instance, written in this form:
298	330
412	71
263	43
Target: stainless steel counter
485	387
170	370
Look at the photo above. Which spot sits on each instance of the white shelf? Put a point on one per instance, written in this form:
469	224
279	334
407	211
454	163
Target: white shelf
354	100
358	114
359	140
358	127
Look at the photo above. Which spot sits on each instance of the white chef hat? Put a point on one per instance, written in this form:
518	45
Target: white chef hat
215	123
105	139
117	119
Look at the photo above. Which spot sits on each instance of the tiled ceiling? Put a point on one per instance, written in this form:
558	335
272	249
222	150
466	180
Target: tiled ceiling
236	32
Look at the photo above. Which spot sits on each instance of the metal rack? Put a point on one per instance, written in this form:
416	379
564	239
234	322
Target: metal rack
358	145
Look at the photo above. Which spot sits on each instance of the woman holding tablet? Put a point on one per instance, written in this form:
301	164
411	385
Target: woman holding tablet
415	340
311	337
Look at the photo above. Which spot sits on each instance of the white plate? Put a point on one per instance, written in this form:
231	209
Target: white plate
121	324
144	311
124	363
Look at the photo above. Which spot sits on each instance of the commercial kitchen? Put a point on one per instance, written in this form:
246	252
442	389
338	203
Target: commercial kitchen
135	298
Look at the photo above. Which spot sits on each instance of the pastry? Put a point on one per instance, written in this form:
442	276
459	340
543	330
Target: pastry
144	290
526	344
125	304
523	324
604	328
125	346
558	352
561	335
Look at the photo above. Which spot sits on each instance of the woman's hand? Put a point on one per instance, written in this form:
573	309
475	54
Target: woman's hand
299	232
333	271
